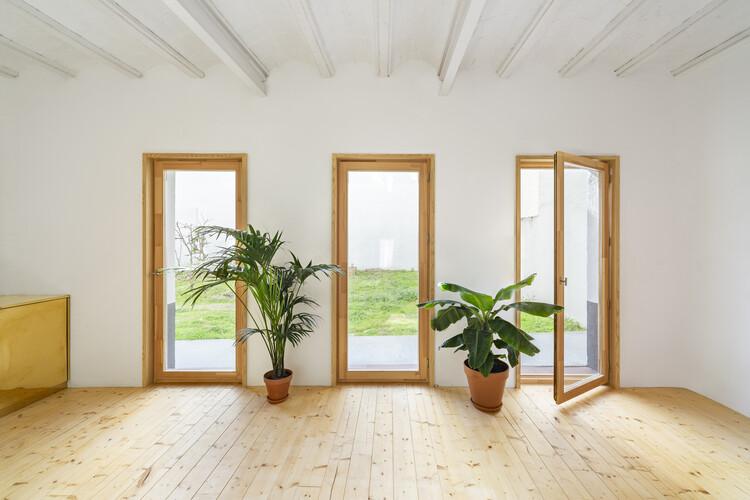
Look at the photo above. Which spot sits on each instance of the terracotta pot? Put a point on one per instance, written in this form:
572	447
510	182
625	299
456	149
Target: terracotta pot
278	390
487	392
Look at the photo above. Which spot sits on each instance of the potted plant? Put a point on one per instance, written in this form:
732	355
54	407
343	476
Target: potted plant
484	368
276	289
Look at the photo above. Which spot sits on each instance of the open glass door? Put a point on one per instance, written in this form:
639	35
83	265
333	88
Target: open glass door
581	272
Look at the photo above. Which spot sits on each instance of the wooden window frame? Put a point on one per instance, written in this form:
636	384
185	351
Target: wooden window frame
547	162
150	372
385	162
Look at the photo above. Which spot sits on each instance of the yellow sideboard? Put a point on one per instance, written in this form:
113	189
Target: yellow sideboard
34	352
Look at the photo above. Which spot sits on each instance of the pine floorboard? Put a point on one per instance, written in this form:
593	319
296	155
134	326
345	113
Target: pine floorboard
372	441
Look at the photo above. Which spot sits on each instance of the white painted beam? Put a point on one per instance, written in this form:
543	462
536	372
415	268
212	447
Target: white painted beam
543	18
314	41
384	28
649	51
205	20
74	37
36	56
595	45
8	72
464	25
742	35
153	40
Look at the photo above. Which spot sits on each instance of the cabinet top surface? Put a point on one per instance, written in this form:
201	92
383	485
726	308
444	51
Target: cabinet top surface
21	300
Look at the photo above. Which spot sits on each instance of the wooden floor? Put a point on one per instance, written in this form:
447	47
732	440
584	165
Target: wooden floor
372	441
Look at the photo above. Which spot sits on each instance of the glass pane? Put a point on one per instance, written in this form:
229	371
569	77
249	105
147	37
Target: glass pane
537	256
200	337
383	260
582	269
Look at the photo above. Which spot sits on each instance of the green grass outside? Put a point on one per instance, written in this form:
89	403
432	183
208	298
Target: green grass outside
383	302
380	303
535	324
211	318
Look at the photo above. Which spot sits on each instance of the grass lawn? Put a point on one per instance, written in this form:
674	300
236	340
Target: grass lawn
380	303
535	324
383	302
211	318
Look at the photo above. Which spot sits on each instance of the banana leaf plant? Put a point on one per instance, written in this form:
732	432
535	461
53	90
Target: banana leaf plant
247	261
485	328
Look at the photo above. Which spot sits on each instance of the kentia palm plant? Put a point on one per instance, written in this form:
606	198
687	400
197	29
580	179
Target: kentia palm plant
485	329
248	261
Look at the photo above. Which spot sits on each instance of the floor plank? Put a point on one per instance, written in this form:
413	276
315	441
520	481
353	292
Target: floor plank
372	441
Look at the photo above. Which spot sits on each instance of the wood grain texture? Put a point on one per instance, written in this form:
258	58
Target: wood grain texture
376	441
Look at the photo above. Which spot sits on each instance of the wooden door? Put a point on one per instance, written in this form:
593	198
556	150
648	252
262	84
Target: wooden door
382	226
219	188
581	273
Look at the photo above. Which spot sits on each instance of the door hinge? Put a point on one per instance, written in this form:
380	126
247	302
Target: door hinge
428	239
428	362
428	177
610	241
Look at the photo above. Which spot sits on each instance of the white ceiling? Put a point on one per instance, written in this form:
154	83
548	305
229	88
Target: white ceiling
254	37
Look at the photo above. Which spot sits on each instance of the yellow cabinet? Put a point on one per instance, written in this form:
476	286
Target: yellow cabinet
33	348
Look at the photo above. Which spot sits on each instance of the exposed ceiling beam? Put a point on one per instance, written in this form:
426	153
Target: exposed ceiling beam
742	35
646	53
36	56
153	40
543	18
383	17
464	25
8	72
595	46
74	37
309	28
205	20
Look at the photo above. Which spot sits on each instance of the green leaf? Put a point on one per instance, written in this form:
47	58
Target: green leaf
482	301
512	357
479	343
448	316
486	367
515	338
244	334
512	353
433	303
507	292
455	341
535	308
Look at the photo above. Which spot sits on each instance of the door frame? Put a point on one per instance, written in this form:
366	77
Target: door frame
548	162
149	374
426	266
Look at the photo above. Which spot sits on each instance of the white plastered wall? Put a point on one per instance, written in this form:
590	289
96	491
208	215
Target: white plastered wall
717	331
70	187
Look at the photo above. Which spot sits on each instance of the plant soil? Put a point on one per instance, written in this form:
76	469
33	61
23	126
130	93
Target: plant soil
287	373
499	367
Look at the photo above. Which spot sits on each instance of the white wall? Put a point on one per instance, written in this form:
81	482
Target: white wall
383	220
70	187
717	331
538	245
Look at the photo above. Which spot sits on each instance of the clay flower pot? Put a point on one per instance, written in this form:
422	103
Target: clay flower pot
278	390
487	392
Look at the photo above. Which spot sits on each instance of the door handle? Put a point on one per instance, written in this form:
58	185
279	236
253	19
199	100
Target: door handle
564	281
